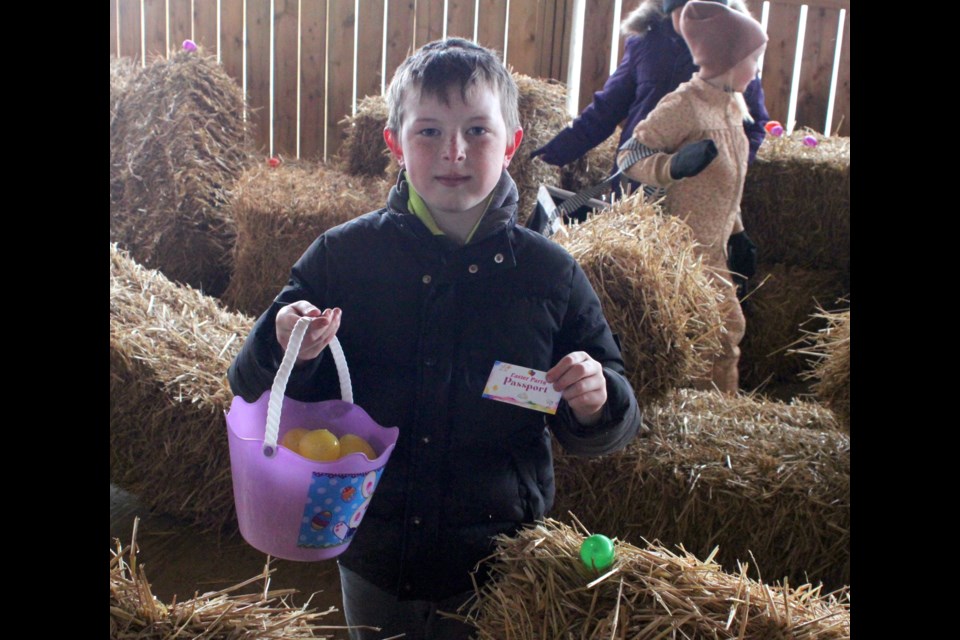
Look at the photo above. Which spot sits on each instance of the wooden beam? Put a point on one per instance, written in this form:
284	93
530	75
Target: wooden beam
812	4
400	19
370	48
114	51
340	20
155	28
522	50
258	72
778	60
285	80
597	41
129	12
231	39
492	24
205	25
841	104
313	56
429	21
816	67
460	18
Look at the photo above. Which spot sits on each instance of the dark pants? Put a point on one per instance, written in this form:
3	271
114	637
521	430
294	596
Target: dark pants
368	605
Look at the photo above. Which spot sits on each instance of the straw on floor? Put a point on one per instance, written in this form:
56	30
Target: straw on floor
760	479
279	212
178	142
541	590
654	291
170	346
232	613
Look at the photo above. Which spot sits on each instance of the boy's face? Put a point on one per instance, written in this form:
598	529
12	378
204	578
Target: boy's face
454	153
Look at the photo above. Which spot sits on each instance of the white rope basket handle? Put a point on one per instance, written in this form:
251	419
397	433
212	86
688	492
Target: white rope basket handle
283	376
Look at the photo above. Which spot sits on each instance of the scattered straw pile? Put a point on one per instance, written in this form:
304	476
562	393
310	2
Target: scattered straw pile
279	212
654	291
831	369
778	312
177	144
363	152
796	202
593	168
761	480
541	590
170	347
136	613
542	116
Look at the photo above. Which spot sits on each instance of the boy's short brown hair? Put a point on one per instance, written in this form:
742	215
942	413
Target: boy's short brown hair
441	65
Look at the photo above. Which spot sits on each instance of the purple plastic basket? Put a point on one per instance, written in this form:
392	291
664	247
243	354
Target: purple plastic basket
288	506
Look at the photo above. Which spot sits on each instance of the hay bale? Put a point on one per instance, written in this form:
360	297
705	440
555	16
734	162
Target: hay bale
278	213
796	202
170	347
831	367
136	613
592	168
363	152
177	145
760	479
654	291
540	589
543	115
779	312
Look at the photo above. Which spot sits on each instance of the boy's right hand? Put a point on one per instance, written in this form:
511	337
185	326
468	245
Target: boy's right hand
319	334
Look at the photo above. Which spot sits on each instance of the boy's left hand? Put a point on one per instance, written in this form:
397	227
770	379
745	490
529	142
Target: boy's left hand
583	384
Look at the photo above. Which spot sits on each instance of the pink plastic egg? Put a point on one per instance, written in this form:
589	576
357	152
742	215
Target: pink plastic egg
274	162
189	45
810	141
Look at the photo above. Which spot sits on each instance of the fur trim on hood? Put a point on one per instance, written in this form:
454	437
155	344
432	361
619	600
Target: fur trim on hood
638	21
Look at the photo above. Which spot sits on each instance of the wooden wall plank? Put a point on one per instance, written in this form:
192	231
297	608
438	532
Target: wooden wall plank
595	64
340	19
545	37
370	50
285	80
205	25
231	39
114	51
826	4
492	25
460	18
429	22
522	23
756	8
258	71
155	28
778	60
841	105
129	18
816	67
400	19
181	16
313	56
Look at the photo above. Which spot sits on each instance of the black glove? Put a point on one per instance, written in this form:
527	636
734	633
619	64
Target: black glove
693	158
548	155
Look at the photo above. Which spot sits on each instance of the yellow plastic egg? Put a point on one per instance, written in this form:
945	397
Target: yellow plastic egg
320	445
291	439
350	443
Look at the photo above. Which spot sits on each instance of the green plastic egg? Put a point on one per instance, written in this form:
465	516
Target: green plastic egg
596	552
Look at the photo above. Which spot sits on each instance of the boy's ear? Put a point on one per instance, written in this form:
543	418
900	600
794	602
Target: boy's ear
512	147
393	143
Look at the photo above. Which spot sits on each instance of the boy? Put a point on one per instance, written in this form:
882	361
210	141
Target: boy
434	289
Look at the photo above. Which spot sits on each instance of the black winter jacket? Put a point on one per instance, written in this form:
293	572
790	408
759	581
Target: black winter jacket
423	323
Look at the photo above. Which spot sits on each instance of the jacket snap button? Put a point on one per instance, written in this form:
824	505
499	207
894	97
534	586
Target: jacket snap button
473	268
426	279
429	361
416	520
425	439
498	258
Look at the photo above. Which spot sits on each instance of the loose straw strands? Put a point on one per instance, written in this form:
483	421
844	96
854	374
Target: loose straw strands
759	479
279	212
178	141
831	364
170	347
540	589
135	613
364	152
654	290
